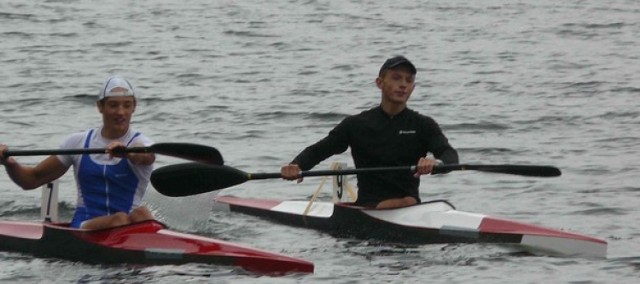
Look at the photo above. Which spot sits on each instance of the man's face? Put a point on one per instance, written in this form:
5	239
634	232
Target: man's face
396	84
117	111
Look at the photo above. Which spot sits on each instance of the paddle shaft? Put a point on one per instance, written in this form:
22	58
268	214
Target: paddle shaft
75	151
188	151
524	170
254	176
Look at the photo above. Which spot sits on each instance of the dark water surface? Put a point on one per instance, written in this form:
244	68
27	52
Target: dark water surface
535	82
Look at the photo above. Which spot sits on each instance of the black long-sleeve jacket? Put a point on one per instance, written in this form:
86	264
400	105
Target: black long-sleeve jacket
379	140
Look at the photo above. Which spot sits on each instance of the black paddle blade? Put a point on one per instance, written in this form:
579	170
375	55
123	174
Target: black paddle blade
188	151
522	170
195	178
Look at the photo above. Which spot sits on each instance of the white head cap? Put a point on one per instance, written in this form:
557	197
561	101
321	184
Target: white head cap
116	86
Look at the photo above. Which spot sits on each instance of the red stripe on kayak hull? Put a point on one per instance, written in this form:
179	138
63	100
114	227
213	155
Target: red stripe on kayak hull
492	224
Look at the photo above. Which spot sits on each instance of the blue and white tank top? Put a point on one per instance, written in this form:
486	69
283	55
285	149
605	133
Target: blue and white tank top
105	186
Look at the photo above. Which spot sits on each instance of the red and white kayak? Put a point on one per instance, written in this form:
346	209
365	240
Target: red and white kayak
432	222
148	242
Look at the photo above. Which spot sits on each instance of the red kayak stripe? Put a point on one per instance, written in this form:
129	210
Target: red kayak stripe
495	225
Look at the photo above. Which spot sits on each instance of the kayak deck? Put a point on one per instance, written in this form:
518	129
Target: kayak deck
148	242
432	222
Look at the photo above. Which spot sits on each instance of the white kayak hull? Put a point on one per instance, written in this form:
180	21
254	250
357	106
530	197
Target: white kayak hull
430	222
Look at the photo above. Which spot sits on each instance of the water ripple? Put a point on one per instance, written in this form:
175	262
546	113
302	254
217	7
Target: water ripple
544	82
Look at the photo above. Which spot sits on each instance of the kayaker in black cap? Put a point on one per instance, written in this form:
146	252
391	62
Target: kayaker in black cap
388	135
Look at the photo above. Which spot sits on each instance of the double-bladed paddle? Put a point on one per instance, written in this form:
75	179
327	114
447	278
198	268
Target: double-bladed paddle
193	178
187	151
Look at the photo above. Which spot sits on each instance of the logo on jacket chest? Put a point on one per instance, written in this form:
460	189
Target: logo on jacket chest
406	132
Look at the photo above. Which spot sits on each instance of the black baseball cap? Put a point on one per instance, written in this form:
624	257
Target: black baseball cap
395	62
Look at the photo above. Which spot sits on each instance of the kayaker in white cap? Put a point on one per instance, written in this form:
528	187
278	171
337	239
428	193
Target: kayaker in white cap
110	186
